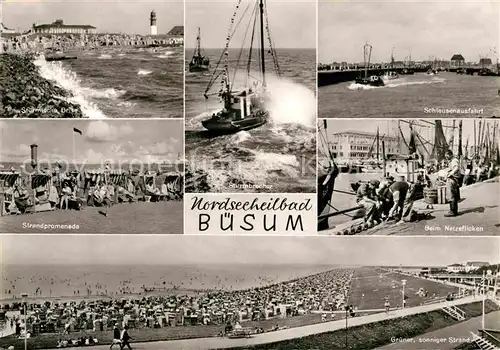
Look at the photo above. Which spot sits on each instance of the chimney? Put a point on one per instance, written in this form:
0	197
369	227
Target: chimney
34	156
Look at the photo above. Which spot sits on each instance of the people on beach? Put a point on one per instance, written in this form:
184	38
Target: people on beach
452	183
116	337
125	339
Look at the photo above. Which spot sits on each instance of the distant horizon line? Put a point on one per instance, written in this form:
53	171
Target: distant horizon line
235	48
230	263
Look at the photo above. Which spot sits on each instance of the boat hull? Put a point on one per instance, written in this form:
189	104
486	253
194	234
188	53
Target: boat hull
229	127
198	68
369	82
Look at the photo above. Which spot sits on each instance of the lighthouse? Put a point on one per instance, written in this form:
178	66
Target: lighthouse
152	21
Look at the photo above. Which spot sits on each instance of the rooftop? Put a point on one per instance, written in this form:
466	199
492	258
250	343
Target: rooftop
176	31
457	57
60	24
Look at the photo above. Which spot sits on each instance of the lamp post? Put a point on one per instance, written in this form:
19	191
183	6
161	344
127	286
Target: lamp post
24	297
403	284
348	309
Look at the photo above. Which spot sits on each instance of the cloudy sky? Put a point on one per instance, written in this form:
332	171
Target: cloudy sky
292	22
424	28
145	141
390	128
162	249
124	16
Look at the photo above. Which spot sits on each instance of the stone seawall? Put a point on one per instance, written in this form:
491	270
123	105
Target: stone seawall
25	94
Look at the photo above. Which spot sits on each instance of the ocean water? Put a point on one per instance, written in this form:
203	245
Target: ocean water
408	96
64	280
279	156
122	82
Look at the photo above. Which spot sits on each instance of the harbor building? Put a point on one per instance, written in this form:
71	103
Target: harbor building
59	27
152	23
457	60
359	145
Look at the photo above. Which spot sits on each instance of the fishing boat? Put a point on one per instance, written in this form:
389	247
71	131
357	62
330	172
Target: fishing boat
326	180
243	109
390	76
431	71
372	80
199	62
485	72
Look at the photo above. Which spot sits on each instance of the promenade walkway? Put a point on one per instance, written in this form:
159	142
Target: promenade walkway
446	338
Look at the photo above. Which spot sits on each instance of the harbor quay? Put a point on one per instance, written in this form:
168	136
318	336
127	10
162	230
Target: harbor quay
330	77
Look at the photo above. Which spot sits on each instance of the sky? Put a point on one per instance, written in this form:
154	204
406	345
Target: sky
111	16
422	28
390	128
292	23
152	141
188	250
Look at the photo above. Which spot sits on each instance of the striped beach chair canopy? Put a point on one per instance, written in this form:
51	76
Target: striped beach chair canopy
41	179
9	178
115	177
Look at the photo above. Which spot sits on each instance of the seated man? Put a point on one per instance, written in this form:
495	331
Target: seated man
21	198
368	199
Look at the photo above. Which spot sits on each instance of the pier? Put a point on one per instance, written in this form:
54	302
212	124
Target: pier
330	77
339	75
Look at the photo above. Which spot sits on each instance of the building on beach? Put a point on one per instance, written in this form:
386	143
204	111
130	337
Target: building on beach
475	265
455	268
457	60
5	30
359	145
59	27
176	35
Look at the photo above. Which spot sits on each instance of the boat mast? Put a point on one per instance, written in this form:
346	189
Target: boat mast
367	52
378	145
198	43
262	57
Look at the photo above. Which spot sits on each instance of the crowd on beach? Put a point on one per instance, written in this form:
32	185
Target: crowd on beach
323	291
40	43
73	189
